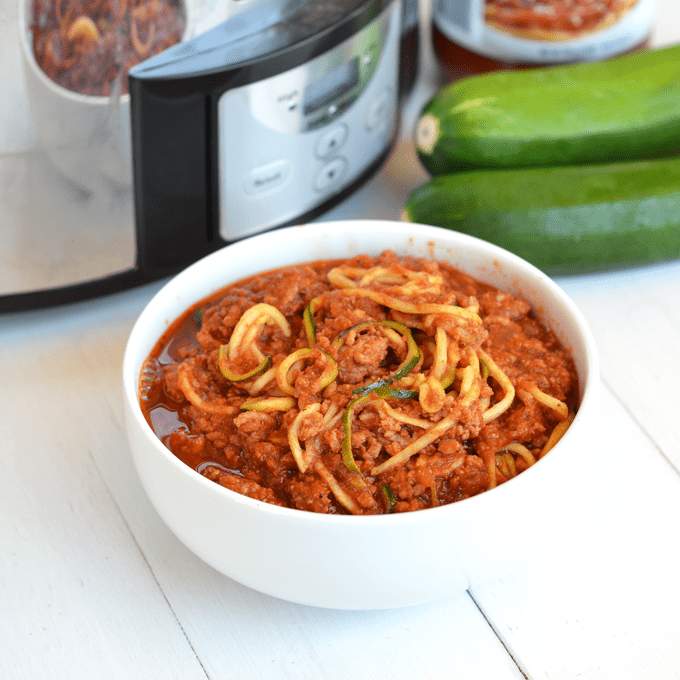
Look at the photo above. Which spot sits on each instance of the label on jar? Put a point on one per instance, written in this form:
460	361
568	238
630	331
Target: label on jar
545	31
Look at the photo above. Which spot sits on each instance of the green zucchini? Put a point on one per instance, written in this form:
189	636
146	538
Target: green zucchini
624	108
565	220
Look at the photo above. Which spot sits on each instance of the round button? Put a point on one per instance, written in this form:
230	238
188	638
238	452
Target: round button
330	174
332	141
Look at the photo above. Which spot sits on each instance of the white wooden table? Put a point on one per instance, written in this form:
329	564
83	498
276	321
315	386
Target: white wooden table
93	585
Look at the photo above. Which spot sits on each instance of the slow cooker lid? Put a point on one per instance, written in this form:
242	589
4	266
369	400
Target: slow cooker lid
261	37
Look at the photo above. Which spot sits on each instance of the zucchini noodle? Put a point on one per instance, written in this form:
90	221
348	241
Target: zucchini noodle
184	382
249	327
415	307
521	450
300	456
556	405
262	381
266	404
557	434
407	282
332	415
377	402
419	444
326	378
403	417
497	409
432	396
340	494
441	356
503	463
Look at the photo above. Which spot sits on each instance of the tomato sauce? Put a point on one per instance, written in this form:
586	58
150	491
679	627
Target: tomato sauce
369	386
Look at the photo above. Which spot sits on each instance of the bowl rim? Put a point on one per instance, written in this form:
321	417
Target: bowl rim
550	289
94	100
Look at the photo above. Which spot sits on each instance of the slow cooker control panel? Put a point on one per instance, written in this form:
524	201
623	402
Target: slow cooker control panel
288	143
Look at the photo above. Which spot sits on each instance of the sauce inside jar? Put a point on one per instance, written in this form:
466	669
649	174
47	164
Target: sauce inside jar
479	36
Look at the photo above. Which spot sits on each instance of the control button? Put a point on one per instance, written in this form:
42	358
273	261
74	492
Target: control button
267	177
290	100
331	142
379	112
330	174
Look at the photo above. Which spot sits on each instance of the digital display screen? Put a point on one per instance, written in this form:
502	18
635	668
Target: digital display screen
324	90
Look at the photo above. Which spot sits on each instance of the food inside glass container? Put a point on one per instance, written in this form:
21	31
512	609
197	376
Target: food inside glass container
363	386
555	19
88	46
523	34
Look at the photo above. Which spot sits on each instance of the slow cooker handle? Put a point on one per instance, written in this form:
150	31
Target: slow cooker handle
171	174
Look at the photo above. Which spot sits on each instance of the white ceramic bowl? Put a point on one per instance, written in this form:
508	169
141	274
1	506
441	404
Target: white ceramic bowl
365	562
86	137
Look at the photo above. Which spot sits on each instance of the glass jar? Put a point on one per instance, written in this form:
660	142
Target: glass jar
470	37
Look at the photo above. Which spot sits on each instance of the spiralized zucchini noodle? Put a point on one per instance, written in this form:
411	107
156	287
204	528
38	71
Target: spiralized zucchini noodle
89	46
437	388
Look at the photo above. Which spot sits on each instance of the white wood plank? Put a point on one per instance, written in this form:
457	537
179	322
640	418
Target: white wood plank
635	318
77	598
601	600
232	627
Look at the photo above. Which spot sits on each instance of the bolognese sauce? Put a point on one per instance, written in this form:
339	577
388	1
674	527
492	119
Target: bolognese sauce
88	46
366	386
